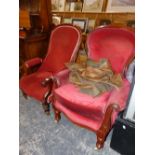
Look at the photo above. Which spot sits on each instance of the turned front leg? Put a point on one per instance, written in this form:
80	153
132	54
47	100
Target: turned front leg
101	136
46	107
106	126
57	114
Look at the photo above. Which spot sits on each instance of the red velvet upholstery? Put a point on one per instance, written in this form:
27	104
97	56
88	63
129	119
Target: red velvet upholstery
63	47
115	44
32	62
31	85
69	99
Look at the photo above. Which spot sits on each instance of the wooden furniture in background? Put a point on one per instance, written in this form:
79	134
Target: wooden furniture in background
24	19
38	12
32	46
34	29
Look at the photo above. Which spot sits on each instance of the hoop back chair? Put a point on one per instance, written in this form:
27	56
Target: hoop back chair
64	43
99	113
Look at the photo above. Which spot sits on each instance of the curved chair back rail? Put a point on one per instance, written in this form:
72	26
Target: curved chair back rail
63	47
113	43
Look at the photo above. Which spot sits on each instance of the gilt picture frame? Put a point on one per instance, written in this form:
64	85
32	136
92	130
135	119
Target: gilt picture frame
58	5
120	6
92	5
75	6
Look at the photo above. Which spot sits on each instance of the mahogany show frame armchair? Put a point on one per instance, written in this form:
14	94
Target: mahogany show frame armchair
64	44
98	113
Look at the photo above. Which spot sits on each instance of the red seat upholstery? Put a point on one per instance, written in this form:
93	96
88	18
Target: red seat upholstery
29	84
90	108
99	113
64	43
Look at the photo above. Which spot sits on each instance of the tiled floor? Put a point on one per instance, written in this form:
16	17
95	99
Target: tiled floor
39	135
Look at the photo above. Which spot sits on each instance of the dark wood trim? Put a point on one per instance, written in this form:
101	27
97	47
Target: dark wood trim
57	114
44	15
48	82
106	126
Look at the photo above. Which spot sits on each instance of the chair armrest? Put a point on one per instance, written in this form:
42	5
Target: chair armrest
27	65
62	76
54	82
32	62
119	97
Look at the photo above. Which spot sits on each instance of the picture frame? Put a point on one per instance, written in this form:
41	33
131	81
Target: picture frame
62	5
120	6
76	6
56	20
80	22
67	6
67	20
55	5
58	5
93	5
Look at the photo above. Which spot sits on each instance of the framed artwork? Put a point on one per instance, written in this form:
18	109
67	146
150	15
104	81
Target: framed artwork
93	5
56	20
67	6
82	23
67	20
55	5
120	6
62	5
76	6
58	5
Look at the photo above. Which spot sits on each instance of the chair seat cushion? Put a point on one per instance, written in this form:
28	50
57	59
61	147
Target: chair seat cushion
31	84
87	106
78	118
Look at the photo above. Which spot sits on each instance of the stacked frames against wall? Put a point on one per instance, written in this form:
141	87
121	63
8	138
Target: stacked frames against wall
94	18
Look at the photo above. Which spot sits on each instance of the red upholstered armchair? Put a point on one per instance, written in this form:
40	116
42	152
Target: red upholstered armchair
99	113
64	43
